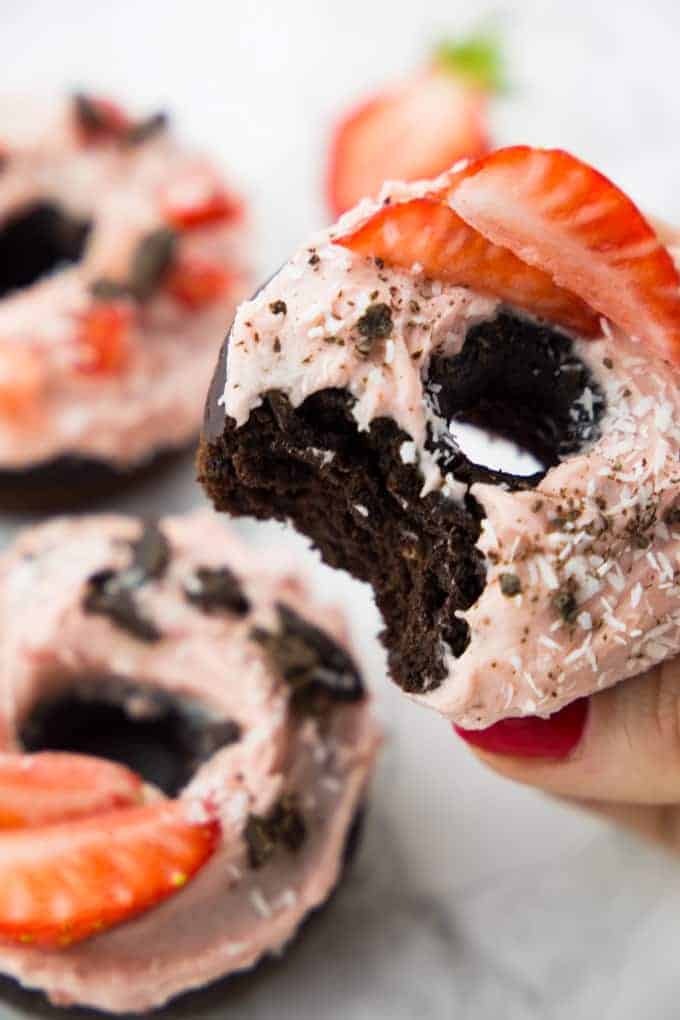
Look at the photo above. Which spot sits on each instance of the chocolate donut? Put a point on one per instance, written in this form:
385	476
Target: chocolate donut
549	313
174	650
121	254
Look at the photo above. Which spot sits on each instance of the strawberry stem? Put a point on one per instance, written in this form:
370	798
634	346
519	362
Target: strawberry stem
478	59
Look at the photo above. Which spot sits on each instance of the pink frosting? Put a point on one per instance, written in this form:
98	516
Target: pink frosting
156	401
576	531
230	915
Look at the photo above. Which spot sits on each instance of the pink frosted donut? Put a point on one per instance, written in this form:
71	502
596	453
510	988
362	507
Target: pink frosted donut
550	315
215	675
121	255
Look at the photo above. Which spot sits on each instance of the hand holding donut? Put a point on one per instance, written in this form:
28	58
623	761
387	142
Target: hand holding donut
525	292
617	753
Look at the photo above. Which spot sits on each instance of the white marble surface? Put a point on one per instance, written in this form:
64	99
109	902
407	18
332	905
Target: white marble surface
470	898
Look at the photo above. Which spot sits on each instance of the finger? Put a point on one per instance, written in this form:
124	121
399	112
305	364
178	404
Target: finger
659	823
621	745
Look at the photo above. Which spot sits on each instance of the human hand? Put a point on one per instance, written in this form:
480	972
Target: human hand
616	753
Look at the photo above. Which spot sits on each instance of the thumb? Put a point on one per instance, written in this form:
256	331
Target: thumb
621	745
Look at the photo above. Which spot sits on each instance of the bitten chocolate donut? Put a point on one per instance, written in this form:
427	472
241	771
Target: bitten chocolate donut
121	254
209	671
524	293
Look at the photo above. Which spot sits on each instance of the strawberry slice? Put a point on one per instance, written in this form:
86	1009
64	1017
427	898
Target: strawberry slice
104	338
417	129
66	882
196	282
22	380
428	232
562	216
36	789
197	198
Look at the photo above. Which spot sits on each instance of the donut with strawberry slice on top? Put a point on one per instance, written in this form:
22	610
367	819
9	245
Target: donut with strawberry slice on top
523	294
185	747
121	254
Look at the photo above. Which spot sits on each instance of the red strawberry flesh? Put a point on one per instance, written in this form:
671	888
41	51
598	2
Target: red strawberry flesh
430	233
561	216
196	283
67	882
38	789
415	131
103	338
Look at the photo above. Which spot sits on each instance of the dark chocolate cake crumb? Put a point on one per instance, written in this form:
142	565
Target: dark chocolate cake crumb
107	595
217	588
111	592
150	552
310	661
672	515
146	129
374	324
151	260
283	826
105	289
93	117
564	601
510	584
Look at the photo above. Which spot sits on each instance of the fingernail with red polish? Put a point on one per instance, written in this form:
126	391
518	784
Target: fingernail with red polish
532	737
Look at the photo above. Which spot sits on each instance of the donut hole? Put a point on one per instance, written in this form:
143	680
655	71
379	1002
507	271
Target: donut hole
162	738
36	241
520	385
485	448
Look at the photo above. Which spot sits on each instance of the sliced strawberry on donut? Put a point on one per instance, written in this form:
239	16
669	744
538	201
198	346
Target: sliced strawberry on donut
103	338
63	883
195	282
36	789
417	129
561	216
197	198
428	232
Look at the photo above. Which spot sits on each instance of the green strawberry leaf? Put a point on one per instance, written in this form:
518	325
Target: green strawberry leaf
478	59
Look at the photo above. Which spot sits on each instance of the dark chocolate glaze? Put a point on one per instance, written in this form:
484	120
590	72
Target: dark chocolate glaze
71	482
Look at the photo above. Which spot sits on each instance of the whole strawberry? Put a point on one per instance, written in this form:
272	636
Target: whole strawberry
418	128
